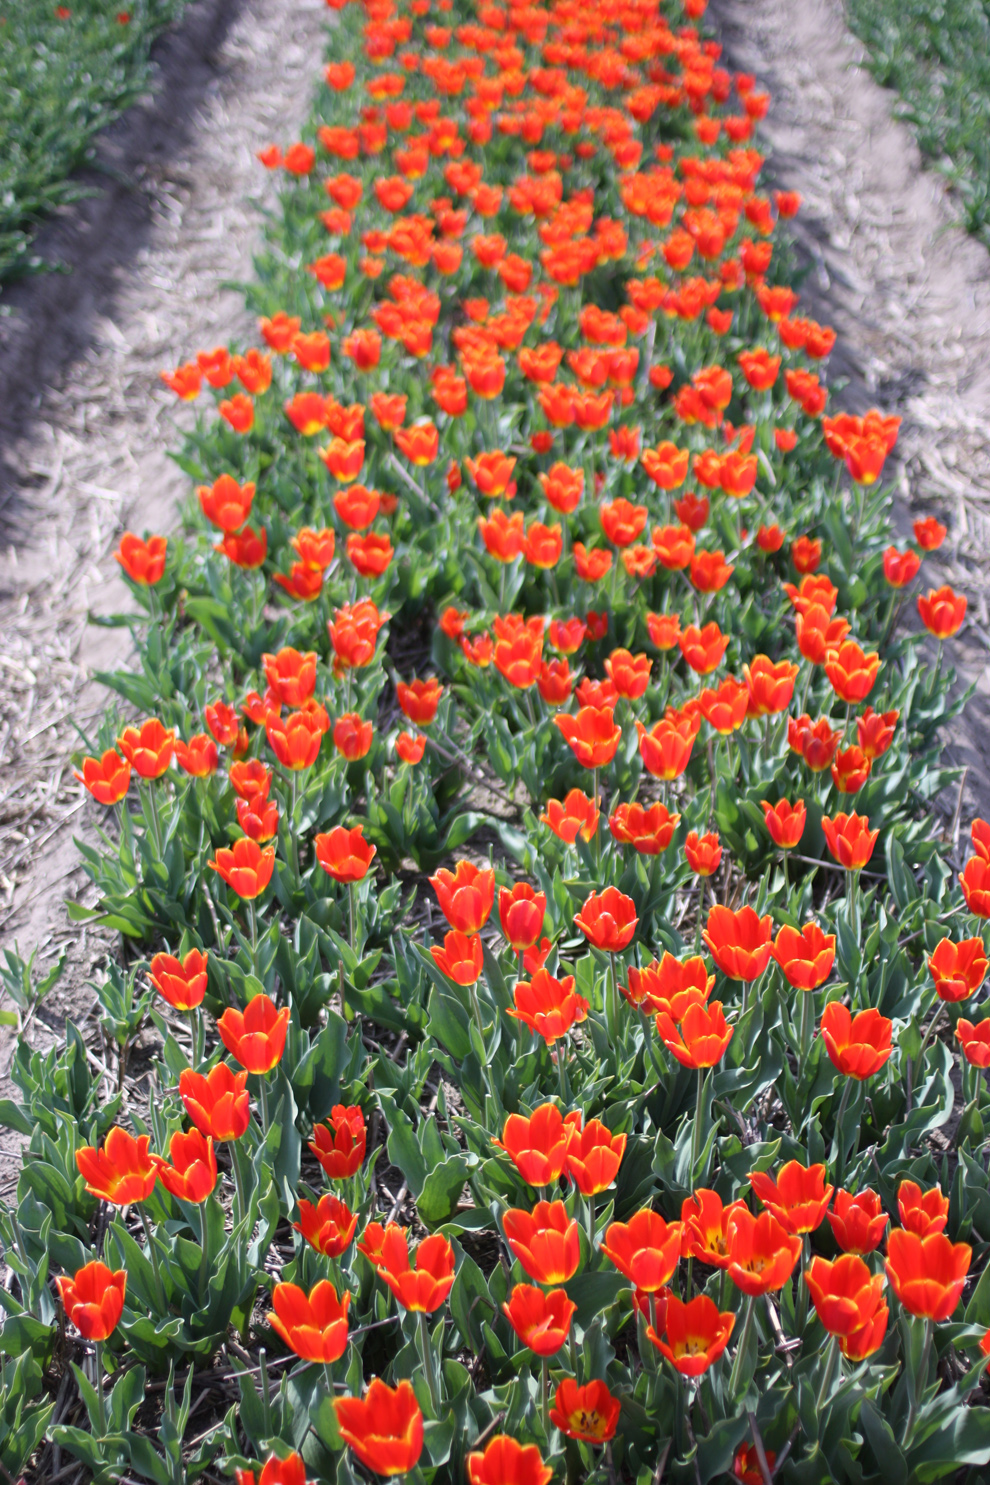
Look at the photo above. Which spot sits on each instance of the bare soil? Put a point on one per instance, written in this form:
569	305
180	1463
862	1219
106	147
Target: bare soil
87	458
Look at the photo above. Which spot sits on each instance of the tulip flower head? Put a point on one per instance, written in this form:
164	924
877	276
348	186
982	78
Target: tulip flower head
384	1428
217	1102
545	1241
798	1196
541	1321
857	1045
504	1461
314	1326
340	1144
93	1299
256	1035
694	1335
589	1413
122	1172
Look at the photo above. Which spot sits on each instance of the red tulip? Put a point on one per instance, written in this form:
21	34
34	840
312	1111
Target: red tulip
93	1299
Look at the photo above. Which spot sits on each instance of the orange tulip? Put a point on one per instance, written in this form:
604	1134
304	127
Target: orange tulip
922	1212
974	1039
549	1007
974	880
701	1038
182	982
295	740
122	1172
545	1241
246	868
703	853
847	1296
666	747
384	1428
705	1224
217	1103
649	831
589	1413
148	749
805	955
942	611
770	686
344	854
521	911
762	1253
541	1321
857	1045
928	1274
629	674
192	1174
670	986
850	839
592	735
725	708
107	778
851	671
314	1326
575	815
538	1145
143	562
255	1036
674	546
858	1222
850	770
93	1299
739	942
785	822
340	1144
328	1227
816	742
703	649
421	1286
594	1155
646	1249
419	443
466	895
622	522
797	1198
608	920
696	1334
504	1461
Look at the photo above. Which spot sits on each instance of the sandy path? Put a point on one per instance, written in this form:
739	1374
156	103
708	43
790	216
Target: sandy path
907	289
95	460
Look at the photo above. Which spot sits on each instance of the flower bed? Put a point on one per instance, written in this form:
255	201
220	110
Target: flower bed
524	556
65	72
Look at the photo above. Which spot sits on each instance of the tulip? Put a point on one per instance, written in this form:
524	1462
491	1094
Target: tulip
770	686
710	572
980	835
182	982
724	708
547	1006
929	534
674	546
850	839
291	675
148	749
344	854
622	522
629	674
143	562
461	958
858	1222
851	671
93	1299
974	880
246	549
592	735
107	778
797	1198
198	757
805	955
816	742
192	1174
703	649
314	1326
226	504
521	911
122	1172
504	1461
703	853
696	1334
545	1241
259	822
857	1045
422	1287
591	563
466	896
384	1428
648	831
352	736
942	612
702	1037
762	1253
739	942
328	1227
250	779
247	868
419	700
848	1298
575	815
409	748
746	1466
354	631
670	985
928	1274
594	1155
900	568
975	1041
538	1145
922	1212
666	748
664	630
340	1144
646	1249
850	770
255	1036
705	1224
217	1102
589	1413
875	731
541	1321
608	920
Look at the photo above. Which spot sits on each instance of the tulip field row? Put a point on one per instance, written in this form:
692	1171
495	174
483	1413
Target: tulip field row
549	1032
66	70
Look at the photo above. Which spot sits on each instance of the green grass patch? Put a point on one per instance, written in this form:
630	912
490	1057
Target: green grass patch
936	54
65	73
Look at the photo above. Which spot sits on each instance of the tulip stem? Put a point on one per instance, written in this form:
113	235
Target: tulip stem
838	1151
266	1396
787	875
737	1366
253	924
203	1262
350	915
696	1141
804	1033
429	1361
927	1037
918	1381
152	1249
591	1224
612	1015
238	1183
264	1107
156	830
545	1392
831	1357
101	1403
560	1073
801	1308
